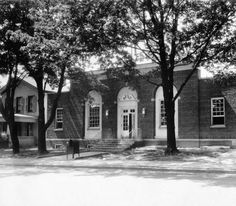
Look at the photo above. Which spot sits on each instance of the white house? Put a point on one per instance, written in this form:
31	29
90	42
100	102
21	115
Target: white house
26	113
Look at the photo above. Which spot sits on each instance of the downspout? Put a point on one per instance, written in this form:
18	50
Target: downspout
46	111
199	111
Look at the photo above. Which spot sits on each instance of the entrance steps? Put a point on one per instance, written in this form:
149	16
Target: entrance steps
112	145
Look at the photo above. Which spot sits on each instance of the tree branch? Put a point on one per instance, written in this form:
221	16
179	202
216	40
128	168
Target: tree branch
199	58
55	102
174	38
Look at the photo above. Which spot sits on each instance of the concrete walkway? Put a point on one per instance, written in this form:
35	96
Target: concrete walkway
216	161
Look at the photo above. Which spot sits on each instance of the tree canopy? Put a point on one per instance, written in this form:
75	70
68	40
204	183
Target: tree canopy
15	26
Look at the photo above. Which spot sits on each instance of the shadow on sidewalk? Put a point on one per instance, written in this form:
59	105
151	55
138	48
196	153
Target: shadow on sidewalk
208	179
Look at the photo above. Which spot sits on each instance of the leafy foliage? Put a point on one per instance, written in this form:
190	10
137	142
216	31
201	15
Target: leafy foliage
223	74
15	26
14	29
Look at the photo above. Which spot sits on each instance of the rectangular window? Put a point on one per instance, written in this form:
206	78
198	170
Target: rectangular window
59	118
218	111
162	114
94	116
19	104
30	104
125	123
24	129
29	129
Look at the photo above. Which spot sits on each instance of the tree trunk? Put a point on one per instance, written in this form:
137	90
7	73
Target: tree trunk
171	140
42	149
10	118
170	115
14	137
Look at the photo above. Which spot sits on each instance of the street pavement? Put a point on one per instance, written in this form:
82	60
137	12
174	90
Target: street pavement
73	186
196	177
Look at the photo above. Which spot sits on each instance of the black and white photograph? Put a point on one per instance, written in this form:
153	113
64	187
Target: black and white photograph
117	102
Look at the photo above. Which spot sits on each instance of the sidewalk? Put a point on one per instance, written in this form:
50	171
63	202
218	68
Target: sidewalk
210	160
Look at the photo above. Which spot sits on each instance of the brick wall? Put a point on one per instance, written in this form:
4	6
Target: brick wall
73	105
208	89
73	116
188	106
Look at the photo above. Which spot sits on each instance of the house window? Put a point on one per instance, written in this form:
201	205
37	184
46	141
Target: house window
30	104
19	104
29	129
94	116
218	111
24	129
59	118
162	114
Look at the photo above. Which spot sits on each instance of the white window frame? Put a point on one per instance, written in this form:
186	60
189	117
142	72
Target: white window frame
89	117
60	120
212	115
19	105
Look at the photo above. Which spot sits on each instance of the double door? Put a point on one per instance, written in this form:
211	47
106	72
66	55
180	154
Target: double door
128	126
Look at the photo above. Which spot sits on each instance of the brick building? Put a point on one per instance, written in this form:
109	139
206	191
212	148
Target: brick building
205	112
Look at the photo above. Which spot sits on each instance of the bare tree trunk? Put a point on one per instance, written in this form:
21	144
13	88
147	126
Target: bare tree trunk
170	115
10	118
14	137
171	140
42	148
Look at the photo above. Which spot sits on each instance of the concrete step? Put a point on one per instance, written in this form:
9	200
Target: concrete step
111	145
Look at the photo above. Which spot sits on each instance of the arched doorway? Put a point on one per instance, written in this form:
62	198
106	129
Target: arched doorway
127	113
160	116
93	116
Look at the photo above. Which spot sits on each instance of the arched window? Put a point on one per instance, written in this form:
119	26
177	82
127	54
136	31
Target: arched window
160	116
93	115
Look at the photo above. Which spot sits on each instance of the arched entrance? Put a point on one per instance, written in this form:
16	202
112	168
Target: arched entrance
160	117
127	121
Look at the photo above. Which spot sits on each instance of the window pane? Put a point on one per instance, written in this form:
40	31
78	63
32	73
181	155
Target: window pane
29	129
19	104
218	111
30	104
163	114
59	125
125	122
218	120
59	119
94	116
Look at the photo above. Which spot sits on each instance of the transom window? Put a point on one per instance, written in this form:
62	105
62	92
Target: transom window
59	118
132	110
163	122
94	116
218	111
